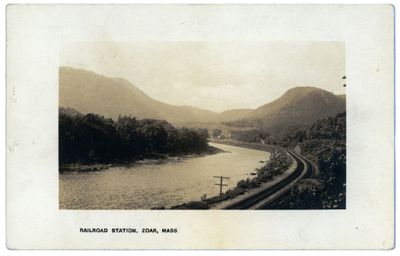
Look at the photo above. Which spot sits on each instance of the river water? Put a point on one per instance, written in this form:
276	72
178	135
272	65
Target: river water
147	185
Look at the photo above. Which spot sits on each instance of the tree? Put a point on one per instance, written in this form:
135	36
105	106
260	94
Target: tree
94	139
216	133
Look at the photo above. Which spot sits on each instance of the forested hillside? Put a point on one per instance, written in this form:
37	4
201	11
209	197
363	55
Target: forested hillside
298	108
325	144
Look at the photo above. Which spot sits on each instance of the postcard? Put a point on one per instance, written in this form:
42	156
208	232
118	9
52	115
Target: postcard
200	126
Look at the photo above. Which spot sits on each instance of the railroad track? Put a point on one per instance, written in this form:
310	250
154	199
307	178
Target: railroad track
274	196
282	197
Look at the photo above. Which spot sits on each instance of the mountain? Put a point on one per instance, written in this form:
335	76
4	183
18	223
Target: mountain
88	92
298	107
233	114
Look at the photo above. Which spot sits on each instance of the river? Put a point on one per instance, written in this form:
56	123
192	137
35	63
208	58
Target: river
147	185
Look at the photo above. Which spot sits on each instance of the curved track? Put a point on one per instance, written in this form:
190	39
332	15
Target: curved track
274	196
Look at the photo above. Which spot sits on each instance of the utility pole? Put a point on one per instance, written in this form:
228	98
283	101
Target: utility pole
221	178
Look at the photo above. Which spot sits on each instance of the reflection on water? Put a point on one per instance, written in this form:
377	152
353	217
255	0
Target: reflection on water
144	186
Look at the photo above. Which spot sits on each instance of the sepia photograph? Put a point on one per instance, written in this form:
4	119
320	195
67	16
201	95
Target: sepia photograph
202	125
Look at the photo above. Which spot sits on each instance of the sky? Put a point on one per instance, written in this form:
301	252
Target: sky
214	75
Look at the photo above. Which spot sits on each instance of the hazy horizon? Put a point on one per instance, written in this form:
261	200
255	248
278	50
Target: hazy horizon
216	76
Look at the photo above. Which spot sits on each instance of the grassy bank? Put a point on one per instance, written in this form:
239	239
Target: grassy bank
256	146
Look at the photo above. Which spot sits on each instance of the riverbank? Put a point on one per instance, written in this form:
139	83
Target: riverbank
256	146
277	168
151	159
156	185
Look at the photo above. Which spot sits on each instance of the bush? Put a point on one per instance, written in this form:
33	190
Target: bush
194	205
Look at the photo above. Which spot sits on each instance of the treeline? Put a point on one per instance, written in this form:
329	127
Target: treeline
252	136
91	138
246	123
332	128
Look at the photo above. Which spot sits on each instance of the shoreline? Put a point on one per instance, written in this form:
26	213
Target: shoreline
272	171
160	159
256	146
